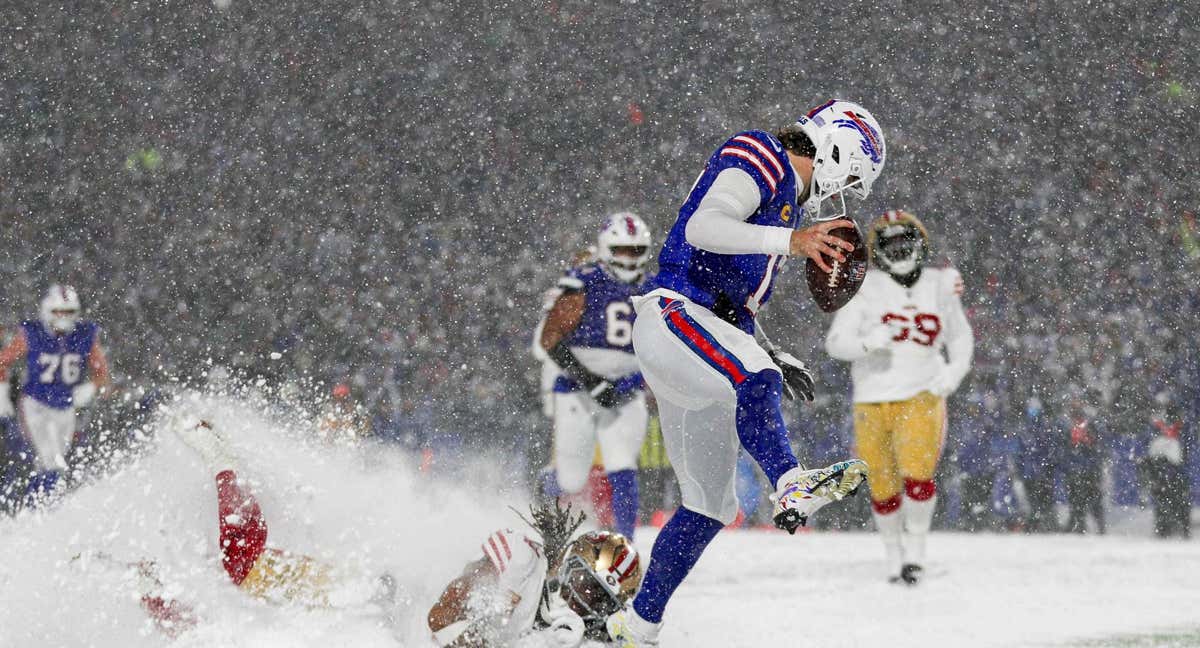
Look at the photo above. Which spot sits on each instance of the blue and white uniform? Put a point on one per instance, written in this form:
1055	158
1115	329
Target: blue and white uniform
694	334
55	366
716	388
603	343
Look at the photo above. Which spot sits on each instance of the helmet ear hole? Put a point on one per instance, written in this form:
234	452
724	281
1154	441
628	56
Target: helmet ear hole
835	155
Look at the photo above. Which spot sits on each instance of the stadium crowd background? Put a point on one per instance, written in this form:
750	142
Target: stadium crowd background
379	193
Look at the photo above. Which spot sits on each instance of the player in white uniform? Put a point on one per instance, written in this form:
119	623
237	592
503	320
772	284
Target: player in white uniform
538	580
599	395
895	332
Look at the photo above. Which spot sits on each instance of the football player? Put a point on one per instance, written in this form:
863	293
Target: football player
65	370
263	571
538	580
716	385
598	396
894	332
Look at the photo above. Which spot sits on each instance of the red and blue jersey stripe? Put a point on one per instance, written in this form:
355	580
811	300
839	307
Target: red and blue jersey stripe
760	155
701	341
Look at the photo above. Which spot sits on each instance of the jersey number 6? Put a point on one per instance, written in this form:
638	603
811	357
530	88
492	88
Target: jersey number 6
619	329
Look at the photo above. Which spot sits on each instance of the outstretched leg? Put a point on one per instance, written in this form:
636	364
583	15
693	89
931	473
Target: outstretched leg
243	530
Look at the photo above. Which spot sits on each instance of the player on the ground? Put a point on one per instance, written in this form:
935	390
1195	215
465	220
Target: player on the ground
261	570
894	332
539	579
694	335
66	369
599	396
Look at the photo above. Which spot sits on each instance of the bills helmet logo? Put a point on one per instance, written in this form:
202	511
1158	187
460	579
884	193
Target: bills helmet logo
872	144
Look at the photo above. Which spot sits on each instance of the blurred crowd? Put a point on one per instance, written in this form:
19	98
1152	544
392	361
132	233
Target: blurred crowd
376	194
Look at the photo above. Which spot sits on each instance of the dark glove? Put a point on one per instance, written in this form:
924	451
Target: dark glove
797	379
617	393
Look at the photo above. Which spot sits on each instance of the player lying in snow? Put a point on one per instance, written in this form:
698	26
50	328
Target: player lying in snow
539	581
523	583
511	591
265	572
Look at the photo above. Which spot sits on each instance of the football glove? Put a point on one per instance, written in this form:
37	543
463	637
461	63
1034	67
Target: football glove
797	379
566	627
942	385
617	393
878	338
83	394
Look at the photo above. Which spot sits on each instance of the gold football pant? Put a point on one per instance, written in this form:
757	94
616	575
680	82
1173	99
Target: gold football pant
901	442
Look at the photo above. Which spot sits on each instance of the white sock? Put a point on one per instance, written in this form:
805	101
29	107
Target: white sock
918	516
889	527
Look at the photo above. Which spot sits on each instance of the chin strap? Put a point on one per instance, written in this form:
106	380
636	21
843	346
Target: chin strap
907	280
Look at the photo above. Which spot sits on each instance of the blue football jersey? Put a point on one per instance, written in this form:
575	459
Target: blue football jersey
56	364
734	285
607	321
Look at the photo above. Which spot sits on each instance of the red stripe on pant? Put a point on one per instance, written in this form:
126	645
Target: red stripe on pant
889	505
919	490
704	345
243	531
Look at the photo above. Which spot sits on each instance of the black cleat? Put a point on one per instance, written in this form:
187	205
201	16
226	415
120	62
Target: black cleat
910	574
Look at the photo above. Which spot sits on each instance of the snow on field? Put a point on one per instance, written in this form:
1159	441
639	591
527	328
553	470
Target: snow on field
370	512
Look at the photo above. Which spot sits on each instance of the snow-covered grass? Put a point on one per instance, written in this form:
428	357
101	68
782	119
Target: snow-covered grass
371	511
755	588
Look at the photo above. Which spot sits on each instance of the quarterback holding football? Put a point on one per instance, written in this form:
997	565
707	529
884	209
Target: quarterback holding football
909	345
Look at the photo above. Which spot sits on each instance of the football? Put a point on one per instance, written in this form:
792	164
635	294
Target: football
831	290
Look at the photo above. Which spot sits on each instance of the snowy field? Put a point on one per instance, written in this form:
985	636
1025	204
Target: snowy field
370	512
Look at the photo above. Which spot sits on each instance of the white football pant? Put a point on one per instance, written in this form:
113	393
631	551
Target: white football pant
49	430
579	423
690	359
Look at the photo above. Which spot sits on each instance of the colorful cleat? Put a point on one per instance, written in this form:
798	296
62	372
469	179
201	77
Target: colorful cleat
628	630
802	492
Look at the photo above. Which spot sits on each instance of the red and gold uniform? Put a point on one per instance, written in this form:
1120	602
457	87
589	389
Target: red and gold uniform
909	345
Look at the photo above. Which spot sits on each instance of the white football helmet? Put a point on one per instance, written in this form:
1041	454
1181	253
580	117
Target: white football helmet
850	154
60	309
626	233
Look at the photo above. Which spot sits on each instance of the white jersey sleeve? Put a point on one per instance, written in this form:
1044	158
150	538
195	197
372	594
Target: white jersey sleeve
957	336
844	339
719	223
521	570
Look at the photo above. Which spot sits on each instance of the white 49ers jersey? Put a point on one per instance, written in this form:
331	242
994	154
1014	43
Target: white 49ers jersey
924	320
521	567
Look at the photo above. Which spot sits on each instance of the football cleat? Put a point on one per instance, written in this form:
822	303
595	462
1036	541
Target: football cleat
802	492
628	630
910	574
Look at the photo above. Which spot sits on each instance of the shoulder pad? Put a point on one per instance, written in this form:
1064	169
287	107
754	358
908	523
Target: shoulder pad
758	153
951	281
511	551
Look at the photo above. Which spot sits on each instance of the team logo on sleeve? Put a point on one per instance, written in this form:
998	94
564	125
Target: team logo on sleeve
786	213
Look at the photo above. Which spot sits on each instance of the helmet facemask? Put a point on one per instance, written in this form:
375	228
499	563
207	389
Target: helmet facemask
900	250
586	592
600	572
60	309
626	262
624	246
